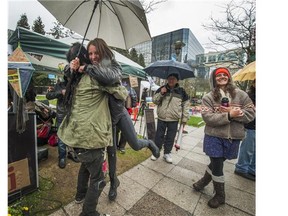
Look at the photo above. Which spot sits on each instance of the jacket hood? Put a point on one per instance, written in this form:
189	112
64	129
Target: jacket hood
212	81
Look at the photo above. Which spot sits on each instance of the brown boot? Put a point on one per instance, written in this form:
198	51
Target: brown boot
219	197
204	181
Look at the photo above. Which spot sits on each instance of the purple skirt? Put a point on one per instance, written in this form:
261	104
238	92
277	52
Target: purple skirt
219	147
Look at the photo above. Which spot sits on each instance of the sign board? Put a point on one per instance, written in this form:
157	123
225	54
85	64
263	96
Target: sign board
150	123
22	158
18	175
133	81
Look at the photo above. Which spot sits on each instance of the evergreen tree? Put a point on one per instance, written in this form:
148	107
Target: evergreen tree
133	55
23	21
38	26
141	60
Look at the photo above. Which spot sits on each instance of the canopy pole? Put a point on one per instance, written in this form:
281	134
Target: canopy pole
94	8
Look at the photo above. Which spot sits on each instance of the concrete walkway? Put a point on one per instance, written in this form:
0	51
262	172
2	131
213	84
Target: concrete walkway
156	188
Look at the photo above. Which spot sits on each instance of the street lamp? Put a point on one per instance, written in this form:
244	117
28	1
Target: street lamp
178	46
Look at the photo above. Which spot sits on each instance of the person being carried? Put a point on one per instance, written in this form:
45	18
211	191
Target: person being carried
172	105
108	72
130	103
225	110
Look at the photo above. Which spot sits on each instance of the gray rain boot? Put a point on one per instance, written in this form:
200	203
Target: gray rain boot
219	197
142	143
154	149
204	181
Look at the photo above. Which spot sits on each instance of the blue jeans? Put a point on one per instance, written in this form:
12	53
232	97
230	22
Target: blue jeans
61	144
247	154
91	168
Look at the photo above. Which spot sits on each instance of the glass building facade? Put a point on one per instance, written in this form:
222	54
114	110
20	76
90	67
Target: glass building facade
146	49
162	47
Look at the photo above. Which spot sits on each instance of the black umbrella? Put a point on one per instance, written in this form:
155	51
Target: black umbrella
163	68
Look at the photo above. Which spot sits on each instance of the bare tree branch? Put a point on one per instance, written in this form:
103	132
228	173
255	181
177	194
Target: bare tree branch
238	29
150	5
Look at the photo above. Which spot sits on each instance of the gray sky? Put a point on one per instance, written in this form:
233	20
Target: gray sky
167	16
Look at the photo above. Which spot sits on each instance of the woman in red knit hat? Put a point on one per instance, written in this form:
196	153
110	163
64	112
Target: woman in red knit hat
225	110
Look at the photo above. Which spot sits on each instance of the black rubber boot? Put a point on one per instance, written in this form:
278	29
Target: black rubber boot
114	184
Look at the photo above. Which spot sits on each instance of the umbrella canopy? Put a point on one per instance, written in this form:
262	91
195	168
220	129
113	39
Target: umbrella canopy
121	23
163	68
246	73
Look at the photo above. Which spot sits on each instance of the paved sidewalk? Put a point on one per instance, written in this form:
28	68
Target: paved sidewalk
156	188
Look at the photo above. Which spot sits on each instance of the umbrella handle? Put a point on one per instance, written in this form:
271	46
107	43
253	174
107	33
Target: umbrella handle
94	8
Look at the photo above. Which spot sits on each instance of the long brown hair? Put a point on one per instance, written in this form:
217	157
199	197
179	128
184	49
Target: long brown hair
74	77
102	48
230	87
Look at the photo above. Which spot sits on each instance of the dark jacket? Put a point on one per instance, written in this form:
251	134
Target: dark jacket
56	93
252	94
109	73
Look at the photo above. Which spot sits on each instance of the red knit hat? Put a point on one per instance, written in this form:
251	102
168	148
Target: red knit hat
222	70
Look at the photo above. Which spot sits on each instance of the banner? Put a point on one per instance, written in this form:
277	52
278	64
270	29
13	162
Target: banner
14	80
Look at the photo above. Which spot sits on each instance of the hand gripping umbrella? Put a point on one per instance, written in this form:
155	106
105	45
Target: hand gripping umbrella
121	23
163	68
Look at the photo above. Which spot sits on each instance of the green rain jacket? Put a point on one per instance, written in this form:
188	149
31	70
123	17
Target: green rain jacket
90	125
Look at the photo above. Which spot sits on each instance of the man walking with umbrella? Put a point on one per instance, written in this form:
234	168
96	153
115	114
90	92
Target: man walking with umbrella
172	105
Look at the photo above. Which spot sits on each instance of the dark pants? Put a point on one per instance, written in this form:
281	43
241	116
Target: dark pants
167	140
111	153
125	125
61	144
91	166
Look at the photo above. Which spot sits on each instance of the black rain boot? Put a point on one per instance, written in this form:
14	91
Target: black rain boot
219	197
114	183
204	181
